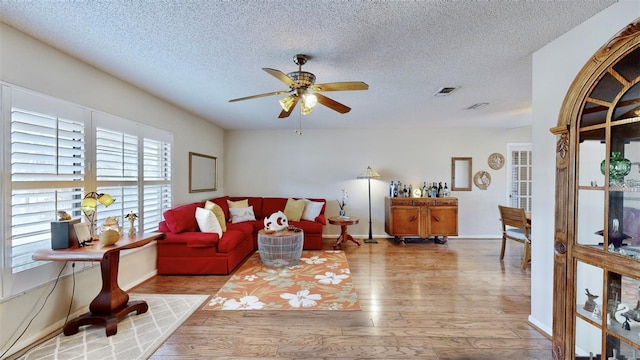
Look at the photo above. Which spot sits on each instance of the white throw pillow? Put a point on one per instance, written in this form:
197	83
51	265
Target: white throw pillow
311	209
208	222
242	214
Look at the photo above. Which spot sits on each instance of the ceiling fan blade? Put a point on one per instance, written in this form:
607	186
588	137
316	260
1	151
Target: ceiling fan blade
260	95
282	77
340	86
332	104
286	113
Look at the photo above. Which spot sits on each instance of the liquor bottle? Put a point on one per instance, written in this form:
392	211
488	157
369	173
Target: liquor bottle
446	190
395	189
440	189
404	190
410	193
391	189
425	190
434	190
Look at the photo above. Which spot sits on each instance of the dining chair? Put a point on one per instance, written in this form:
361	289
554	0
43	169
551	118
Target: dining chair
516	227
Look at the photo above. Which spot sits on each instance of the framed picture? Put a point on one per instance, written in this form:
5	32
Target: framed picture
203	173
82	233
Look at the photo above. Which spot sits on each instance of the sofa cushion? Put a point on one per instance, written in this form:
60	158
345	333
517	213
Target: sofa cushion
320	218
254	201
271	205
207	221
247	228
218	212
312	209
231	240
163	228
182	218
242	214
222	202
238	203
293	209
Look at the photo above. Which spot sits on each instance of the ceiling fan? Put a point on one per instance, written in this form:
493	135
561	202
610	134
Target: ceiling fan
300	83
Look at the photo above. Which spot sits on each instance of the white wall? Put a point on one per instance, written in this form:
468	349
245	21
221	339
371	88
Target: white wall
322	162
554	68
31	64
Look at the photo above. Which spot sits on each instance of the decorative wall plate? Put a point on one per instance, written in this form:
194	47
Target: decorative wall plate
482	179
496	161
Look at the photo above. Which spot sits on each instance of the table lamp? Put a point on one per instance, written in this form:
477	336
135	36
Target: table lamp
90	208
369	174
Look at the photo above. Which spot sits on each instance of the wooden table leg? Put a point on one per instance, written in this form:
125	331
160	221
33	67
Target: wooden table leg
111	304
344	236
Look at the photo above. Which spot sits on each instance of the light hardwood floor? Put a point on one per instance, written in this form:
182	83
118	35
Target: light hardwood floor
419	301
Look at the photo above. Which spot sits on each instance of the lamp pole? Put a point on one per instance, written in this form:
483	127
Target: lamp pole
368	174
370	239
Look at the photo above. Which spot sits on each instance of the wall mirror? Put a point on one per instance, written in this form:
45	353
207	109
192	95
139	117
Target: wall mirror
203	173
461	174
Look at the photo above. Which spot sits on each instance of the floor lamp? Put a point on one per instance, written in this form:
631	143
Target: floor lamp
369	174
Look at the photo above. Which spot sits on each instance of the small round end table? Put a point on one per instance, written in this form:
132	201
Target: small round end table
344	221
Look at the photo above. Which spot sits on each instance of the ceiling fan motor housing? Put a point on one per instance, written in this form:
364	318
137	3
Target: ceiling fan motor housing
302	78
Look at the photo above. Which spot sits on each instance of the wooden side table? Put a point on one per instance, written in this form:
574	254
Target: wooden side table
344	222
112	303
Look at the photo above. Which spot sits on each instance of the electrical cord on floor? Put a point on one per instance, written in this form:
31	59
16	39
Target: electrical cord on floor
34	316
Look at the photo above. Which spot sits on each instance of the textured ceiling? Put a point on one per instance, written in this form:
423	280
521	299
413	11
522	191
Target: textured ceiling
199	54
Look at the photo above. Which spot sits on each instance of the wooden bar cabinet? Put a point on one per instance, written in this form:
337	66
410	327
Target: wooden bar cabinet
421	217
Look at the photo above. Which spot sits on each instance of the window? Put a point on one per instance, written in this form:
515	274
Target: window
57	152
519	181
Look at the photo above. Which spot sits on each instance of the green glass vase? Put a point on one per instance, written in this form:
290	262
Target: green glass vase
619	167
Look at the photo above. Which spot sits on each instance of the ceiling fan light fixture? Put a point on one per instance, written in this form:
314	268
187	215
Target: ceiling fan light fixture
304	109
287	102
309	100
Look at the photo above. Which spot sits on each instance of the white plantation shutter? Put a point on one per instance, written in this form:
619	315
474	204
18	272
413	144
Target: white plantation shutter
157	182
116	156
45	148
47	171
117	171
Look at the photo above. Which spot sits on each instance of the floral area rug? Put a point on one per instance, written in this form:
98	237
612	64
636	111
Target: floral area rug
321	281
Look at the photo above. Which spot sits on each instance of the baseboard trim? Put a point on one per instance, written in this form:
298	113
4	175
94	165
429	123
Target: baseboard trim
539	327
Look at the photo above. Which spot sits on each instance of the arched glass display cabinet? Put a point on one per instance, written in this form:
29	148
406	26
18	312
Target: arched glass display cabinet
597	227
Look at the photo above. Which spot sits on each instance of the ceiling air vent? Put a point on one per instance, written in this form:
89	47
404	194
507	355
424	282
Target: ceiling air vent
477	106
445	91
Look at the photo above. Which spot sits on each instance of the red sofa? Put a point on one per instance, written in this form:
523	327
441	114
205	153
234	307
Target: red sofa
186	250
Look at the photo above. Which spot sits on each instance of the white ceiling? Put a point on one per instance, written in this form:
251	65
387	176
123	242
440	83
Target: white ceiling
199	54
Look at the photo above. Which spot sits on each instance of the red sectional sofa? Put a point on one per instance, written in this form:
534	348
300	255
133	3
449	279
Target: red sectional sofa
186	250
